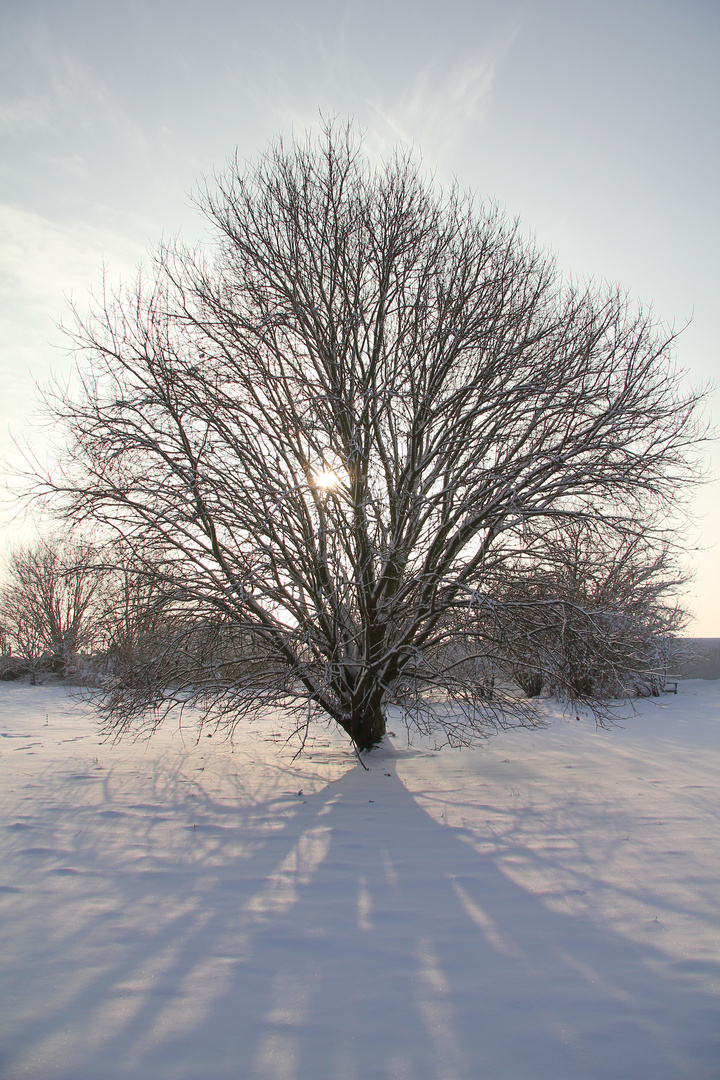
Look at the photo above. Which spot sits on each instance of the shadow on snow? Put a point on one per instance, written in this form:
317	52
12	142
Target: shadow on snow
354	939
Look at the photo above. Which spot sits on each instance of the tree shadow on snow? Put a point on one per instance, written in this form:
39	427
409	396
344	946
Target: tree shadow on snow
317	954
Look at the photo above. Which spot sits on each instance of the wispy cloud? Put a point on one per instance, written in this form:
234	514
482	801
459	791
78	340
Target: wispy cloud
42	79
41	263
444	102
439	109
443	106
41	259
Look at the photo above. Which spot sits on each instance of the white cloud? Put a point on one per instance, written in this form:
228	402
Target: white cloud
442	107
42	80
42	262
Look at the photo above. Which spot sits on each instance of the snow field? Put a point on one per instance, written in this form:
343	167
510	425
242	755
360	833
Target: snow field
544	906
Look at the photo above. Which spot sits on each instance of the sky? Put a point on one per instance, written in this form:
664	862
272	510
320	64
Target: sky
596	123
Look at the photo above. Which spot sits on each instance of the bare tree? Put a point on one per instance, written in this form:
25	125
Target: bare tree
337	425
48	603
590	612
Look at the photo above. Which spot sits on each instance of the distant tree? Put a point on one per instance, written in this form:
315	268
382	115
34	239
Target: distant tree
590	612
49	601
338	421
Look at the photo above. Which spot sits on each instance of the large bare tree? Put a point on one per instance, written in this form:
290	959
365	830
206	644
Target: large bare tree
334	428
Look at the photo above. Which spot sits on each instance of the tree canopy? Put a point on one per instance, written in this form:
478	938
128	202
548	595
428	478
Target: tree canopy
350	437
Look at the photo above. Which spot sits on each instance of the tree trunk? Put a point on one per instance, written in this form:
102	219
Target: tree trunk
366	724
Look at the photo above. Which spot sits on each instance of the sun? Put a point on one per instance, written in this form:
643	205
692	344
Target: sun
326	478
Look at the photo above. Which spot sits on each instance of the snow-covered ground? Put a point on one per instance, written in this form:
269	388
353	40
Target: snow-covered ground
546	907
